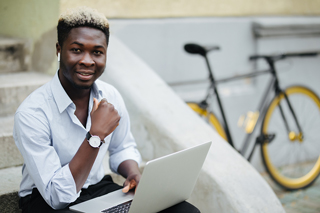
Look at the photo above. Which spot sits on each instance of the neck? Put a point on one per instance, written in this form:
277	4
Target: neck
75	93
79	96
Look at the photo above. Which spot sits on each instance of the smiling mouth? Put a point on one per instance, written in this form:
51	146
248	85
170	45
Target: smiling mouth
84	76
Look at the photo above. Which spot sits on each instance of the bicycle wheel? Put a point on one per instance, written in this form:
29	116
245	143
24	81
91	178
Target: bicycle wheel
209	118
292	158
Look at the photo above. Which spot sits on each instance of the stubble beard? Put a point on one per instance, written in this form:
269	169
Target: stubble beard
76	86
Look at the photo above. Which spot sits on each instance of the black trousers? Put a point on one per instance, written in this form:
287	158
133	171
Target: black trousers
34	203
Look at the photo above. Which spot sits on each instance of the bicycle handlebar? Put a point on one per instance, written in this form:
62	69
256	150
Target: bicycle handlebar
193	48
198	49
283	56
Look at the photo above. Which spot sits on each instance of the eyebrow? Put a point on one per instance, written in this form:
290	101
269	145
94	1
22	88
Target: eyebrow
75	42
80	44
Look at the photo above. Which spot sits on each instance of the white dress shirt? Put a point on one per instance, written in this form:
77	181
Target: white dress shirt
48	135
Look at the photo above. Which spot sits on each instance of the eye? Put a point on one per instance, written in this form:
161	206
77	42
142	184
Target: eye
76	50
97	52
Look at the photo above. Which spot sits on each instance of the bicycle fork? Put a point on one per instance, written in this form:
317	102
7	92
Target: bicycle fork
267	138
291	134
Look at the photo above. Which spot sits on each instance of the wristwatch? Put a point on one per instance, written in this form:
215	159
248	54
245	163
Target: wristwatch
94	140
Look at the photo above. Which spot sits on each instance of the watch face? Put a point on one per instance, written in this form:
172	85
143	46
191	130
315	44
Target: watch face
94	141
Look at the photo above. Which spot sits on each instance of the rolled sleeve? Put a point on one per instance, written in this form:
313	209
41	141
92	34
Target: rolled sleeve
122	146
126	154
63	189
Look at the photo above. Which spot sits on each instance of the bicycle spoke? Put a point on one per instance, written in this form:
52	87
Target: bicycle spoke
288	155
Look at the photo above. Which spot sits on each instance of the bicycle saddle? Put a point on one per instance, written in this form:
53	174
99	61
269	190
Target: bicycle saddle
198	49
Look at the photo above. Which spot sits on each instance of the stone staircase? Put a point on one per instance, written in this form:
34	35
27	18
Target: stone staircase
16	83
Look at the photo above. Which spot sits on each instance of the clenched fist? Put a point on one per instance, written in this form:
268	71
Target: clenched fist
104	118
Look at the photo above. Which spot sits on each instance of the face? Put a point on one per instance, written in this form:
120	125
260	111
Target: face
82	57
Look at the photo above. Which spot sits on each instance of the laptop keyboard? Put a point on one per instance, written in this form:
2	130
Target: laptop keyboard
121	208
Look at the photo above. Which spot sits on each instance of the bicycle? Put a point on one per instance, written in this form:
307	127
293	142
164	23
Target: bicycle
284	132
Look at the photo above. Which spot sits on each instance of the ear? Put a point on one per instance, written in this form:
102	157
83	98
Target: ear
58	48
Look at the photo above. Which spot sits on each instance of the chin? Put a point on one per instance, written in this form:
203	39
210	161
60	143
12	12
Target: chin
78	86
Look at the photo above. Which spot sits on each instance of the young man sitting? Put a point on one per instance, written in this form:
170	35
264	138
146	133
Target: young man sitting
64	129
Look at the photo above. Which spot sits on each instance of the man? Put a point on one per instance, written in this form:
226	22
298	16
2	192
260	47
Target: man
64	128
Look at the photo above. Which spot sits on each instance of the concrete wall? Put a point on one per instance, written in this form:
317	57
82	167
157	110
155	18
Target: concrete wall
162	123
197	8
35	21
159	42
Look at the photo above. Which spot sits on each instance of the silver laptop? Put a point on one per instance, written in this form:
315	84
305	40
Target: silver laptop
165	181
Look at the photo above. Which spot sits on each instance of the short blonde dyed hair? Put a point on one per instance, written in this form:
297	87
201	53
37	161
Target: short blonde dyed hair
81	17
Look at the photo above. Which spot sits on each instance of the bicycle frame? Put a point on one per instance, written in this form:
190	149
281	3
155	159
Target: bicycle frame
273	85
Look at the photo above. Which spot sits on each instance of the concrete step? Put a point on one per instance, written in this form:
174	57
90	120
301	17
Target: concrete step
14	55
9	185
9	153
10	180
15	87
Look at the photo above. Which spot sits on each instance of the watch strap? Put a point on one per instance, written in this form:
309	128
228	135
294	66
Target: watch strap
88	135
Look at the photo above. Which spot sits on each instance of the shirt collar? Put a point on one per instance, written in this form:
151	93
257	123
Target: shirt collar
96	92
61	97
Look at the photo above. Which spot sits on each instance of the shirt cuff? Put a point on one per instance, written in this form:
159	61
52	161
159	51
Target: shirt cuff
126	154
65	189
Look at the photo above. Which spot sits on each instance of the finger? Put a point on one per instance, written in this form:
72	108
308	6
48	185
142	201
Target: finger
126	189
132	184
111	107
126	186
95	104
104	100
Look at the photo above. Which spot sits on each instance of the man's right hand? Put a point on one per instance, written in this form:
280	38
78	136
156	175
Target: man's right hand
104	118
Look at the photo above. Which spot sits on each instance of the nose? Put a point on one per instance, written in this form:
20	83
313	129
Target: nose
87	60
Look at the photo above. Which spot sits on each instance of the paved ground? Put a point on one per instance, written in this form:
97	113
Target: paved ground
301	201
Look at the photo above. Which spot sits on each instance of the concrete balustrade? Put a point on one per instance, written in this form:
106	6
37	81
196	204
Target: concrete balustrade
162	123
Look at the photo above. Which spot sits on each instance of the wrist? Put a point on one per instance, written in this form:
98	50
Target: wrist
95	132
94	140
128	168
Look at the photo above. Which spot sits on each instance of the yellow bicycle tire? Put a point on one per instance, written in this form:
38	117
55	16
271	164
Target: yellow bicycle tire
292	183
210	117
